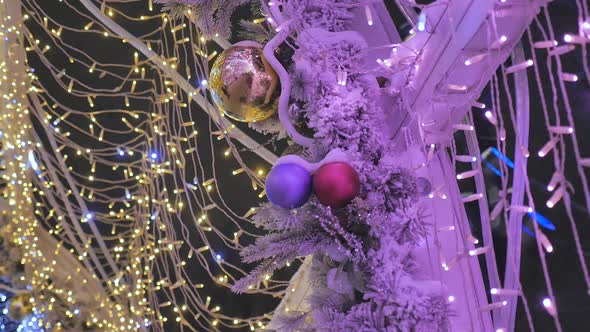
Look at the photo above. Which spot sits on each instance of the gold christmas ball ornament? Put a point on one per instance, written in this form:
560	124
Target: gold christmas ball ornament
20	307
243	84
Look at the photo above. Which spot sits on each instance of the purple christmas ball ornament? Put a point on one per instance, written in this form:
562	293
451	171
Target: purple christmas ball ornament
288	186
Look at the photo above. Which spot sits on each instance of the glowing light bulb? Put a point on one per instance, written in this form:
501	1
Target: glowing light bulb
490	116
546	302
421	26
554	181
556	197
568	77
545	242
369	15
498	43
547	147
549	306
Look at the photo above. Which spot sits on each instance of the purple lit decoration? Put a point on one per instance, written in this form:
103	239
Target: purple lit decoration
381	100
288	186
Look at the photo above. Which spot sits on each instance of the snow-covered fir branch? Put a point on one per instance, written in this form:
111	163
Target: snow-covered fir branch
212	17
363	272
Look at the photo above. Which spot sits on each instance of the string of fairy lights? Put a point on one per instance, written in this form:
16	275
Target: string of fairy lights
561	132
116	170
129	184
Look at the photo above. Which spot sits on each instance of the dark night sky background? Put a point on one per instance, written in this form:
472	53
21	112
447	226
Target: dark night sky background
572	300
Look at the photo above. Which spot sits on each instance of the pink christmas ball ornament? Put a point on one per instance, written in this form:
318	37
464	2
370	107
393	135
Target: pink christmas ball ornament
336	184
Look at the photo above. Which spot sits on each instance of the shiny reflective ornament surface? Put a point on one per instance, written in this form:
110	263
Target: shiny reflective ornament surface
288	186
243	84
20	307
336	184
